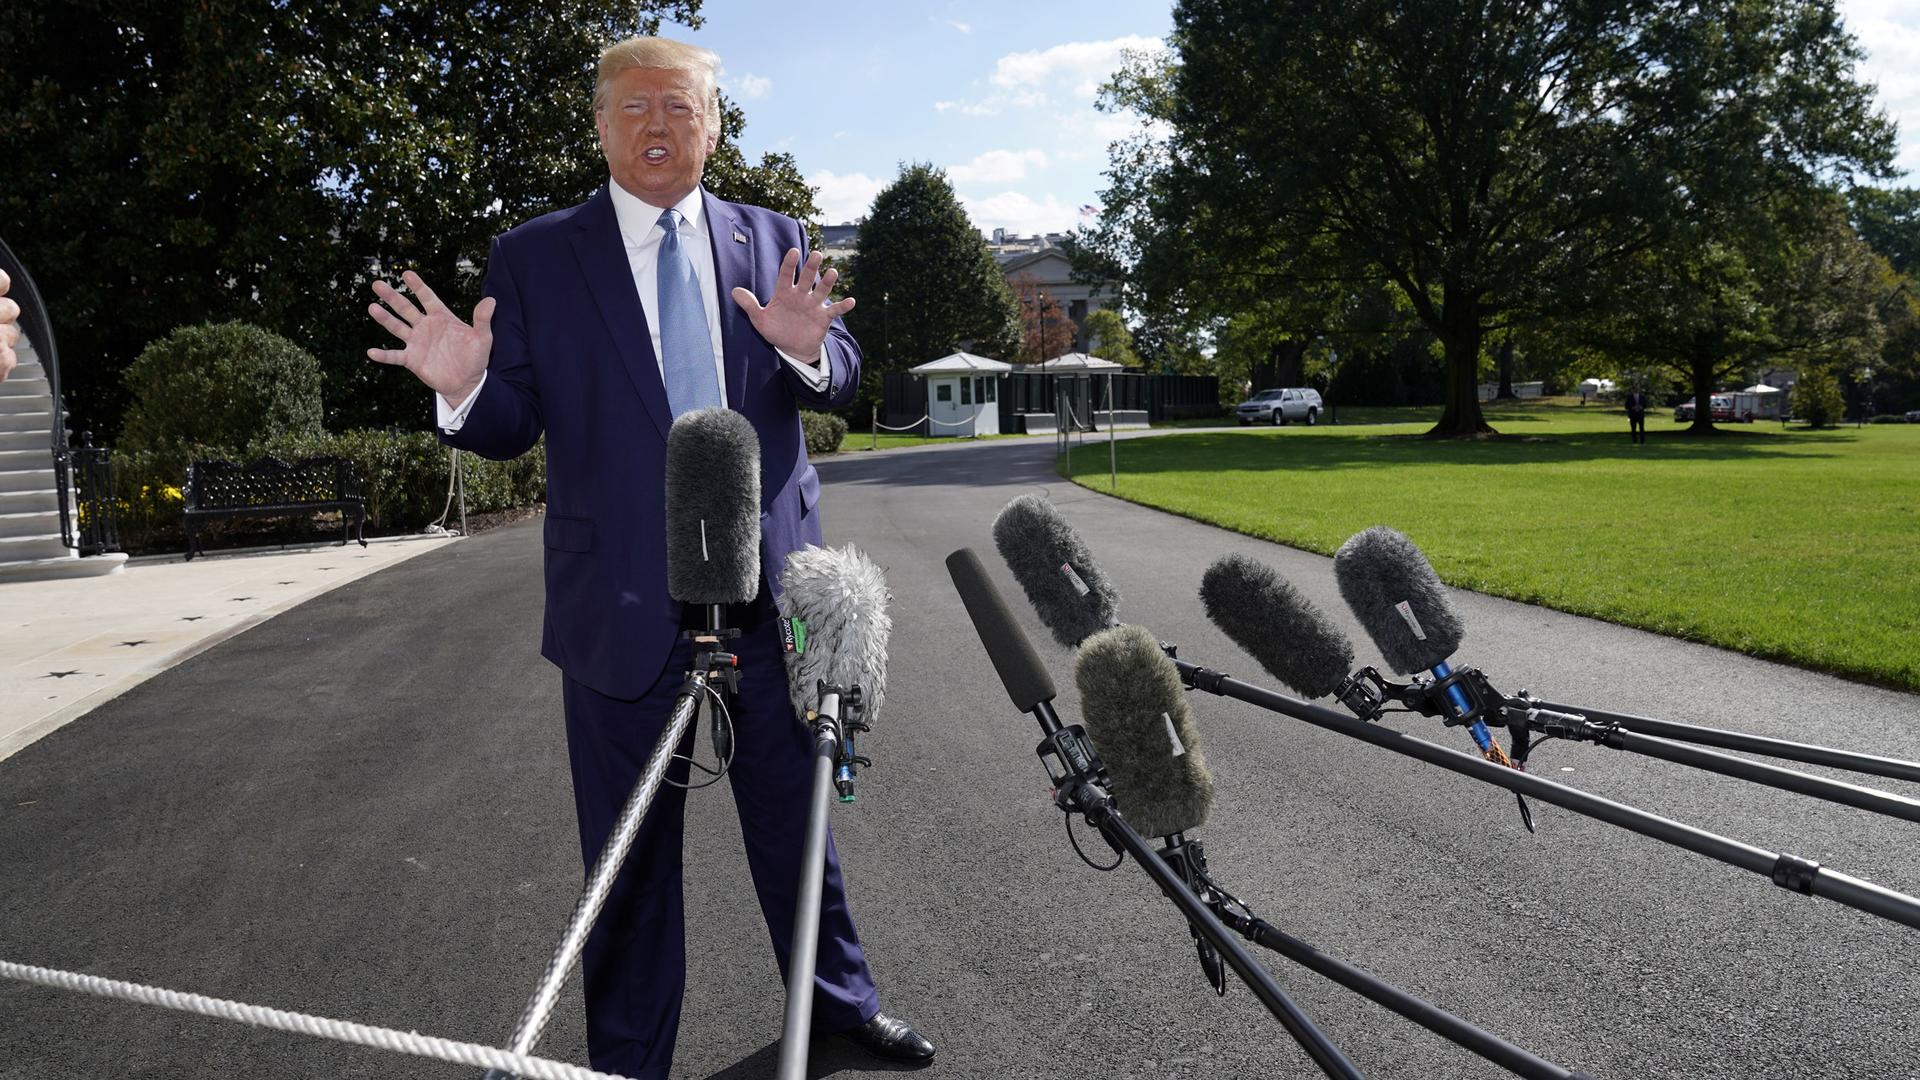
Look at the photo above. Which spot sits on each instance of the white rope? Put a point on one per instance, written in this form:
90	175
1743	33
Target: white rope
909	427
950	423
405	1042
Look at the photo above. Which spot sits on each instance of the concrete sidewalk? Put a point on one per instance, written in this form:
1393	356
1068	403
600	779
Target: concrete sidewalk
68	646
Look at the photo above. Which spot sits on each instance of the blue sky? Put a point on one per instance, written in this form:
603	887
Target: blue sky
1001	94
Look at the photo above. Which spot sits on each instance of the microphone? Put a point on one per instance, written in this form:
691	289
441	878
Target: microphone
1276	625
834	630
1055	569
713	508
1395	594
1136	712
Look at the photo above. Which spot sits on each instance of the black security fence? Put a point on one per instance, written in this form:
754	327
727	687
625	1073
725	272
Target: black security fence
1028	393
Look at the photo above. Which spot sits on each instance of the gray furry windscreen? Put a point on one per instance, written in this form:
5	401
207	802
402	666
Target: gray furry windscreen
841	596
1137	714
1055	568
1379	569
713	508
1279	627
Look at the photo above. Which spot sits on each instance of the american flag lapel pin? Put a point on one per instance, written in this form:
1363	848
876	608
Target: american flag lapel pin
739	237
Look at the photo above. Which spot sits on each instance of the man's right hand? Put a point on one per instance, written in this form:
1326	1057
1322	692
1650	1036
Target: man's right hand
9	328
441	351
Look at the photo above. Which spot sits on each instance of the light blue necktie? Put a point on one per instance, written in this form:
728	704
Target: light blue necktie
686	348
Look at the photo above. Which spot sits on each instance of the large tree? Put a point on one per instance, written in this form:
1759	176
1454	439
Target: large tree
164	164
928	284
1498	163
1727	296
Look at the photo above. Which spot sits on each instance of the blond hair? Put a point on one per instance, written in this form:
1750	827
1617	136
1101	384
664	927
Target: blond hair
660	54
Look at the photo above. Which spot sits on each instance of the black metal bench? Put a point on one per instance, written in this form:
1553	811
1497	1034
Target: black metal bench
270	487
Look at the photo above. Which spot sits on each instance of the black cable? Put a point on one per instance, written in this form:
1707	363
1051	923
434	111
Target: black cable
1071	839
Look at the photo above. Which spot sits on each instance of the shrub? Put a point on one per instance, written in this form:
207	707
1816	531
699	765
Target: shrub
1817	400
1889	418
209	390
824	431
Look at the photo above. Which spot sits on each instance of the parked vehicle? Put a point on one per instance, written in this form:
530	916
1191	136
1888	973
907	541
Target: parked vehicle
1727	408
1280	406
1913	416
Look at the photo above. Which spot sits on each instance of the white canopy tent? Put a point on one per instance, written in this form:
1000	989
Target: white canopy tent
963	394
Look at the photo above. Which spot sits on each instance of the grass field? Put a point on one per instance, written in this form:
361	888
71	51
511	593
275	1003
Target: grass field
1795	545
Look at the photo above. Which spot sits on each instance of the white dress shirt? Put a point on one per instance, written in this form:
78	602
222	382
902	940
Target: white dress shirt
640	235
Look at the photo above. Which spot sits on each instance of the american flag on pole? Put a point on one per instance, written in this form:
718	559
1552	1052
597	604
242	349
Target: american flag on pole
1088	210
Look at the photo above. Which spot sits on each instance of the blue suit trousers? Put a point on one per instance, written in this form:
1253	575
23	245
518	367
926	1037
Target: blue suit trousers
635	959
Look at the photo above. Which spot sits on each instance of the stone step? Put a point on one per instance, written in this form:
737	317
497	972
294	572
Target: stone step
25	439
40	420
28	457
15	386
31	500
15	404
30	523
27	479
25	368
29	548
63	566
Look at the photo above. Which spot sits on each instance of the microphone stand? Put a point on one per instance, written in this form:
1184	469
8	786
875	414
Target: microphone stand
1786	870
712	667
1076	774
1525	716
1189	860
832	741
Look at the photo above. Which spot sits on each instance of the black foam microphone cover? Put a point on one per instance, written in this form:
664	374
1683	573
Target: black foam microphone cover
713	508
1395	594
840	597
1136	712
1007	646
1278	626
1066	587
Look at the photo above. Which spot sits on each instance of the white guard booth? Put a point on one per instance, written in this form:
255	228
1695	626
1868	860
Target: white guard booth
963	394
1075	390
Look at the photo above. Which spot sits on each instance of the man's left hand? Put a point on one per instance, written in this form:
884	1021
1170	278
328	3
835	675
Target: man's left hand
9	328
796	317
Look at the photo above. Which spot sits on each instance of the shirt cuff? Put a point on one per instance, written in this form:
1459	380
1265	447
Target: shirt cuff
451	419
814	371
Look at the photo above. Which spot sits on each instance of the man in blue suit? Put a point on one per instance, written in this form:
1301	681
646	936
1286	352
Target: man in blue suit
600	324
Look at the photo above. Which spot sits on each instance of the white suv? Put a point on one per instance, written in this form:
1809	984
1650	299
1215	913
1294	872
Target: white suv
1277	407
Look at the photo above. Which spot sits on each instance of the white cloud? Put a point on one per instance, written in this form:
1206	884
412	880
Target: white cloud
1075	71
1889	32
997	167
1020	213
960	26
754	86
843	198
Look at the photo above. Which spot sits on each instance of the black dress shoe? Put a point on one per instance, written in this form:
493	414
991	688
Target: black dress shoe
885	1037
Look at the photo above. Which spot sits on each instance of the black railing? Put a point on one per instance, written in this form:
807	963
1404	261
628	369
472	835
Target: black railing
97	528
39	330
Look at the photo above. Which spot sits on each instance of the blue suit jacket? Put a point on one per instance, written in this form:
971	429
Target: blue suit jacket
572	357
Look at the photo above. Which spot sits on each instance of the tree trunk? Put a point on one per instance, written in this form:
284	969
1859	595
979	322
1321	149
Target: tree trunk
1506	371
1460	334
1290	362
1702	374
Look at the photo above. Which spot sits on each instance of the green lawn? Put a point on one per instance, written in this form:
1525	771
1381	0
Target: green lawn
863	440
1789	544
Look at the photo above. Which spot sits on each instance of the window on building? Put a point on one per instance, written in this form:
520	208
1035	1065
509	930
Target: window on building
987	389
966	391
943	391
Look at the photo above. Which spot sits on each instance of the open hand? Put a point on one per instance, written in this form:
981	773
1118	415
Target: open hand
9	328
441	351
796	317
